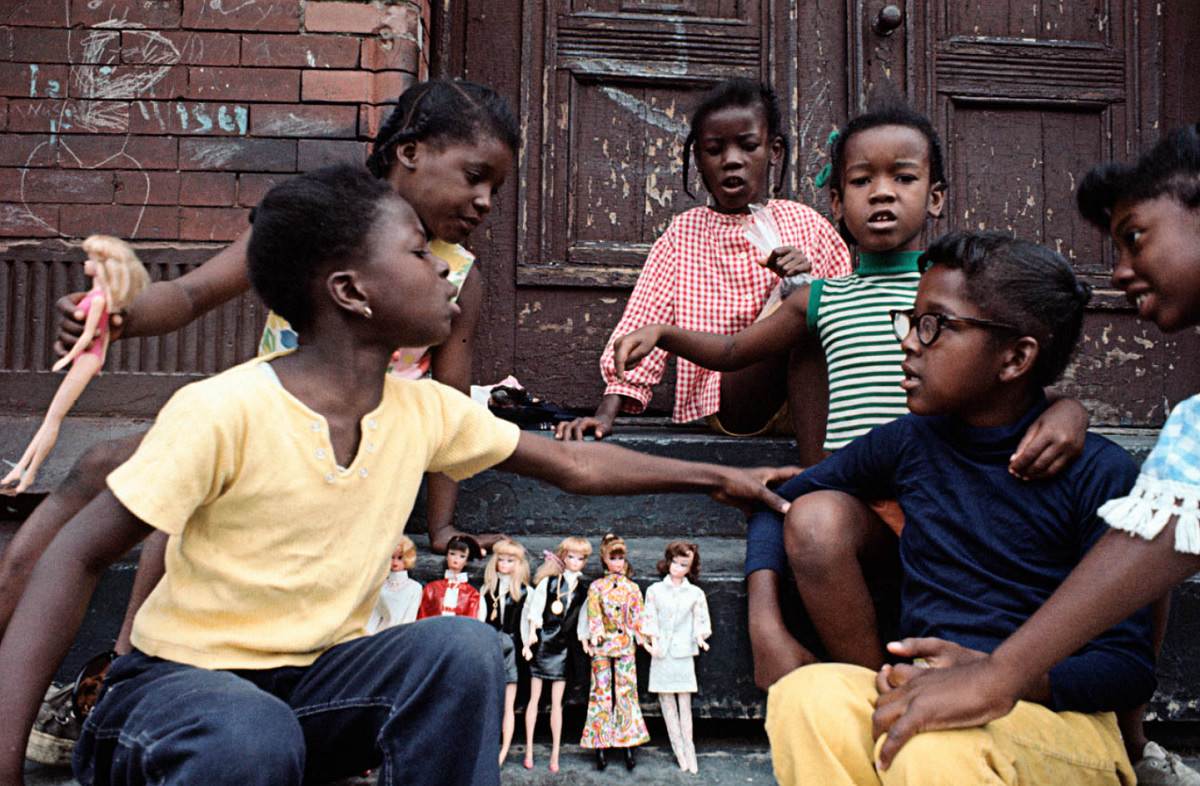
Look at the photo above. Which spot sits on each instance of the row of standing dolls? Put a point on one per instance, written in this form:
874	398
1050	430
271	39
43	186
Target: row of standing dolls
543	621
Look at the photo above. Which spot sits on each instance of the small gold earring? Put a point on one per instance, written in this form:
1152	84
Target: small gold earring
366	312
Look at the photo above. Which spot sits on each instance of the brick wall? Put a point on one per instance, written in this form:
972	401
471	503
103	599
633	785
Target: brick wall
165	120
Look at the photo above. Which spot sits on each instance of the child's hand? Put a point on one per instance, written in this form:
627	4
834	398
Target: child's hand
787	261
71	319
926	653
629	349
1053	441
935	699
575	430
747	489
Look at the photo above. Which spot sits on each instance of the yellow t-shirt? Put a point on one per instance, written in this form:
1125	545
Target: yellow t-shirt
275	553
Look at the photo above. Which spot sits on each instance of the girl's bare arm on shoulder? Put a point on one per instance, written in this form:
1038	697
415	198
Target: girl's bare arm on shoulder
165	306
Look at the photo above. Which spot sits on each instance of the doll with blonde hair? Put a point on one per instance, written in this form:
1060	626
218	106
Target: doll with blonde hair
400	595
610	629
505	585
677	627
553	609
117	278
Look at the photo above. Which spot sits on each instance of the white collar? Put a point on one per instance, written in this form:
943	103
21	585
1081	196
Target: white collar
571	576
456	578
505	582
398	576
681	585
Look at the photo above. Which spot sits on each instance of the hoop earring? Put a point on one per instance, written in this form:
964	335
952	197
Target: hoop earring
367	312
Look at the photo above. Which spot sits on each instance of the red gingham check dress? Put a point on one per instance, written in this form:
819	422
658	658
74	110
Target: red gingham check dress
704	274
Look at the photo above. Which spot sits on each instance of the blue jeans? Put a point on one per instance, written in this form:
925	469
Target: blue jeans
422	702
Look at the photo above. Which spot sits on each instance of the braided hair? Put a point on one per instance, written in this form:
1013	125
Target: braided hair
736	92
441	111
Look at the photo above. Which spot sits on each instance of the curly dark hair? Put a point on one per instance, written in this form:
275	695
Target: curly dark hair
1171	167
736	92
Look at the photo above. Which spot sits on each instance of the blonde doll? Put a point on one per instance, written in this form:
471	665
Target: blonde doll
610	629
400	595
677	627
553	610
117	278
505	584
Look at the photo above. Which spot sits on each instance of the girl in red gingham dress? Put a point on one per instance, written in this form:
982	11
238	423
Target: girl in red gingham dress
704	272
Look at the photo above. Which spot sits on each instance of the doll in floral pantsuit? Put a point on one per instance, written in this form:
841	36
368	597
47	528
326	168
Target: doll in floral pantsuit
610	630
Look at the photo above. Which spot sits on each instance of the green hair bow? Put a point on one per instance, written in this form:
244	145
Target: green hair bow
822	178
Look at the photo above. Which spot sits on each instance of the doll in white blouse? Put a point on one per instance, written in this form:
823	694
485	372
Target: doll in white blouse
552	611
505	584
677	626
400	595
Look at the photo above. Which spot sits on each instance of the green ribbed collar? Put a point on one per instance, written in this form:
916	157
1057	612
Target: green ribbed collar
891	262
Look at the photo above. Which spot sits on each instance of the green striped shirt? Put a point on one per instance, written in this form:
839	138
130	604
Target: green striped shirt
850	314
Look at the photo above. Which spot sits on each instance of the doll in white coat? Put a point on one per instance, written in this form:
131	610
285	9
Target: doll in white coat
400	595
677	626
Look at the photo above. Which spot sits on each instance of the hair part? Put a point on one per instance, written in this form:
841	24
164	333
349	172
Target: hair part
680	548
305	226
610	546
571	543
1022	284
737	92
442	112
459	543
506	547
1170	168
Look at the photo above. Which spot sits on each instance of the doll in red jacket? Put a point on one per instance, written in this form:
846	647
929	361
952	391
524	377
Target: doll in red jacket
452	596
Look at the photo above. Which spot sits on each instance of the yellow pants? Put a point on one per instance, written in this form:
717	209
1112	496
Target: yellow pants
819	724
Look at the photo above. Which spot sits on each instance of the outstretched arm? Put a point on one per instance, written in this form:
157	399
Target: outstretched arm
59	590
596	468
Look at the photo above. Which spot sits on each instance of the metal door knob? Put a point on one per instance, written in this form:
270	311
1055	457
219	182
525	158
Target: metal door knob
887	20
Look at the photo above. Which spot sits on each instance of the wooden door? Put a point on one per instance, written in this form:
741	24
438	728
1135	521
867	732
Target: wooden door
1027	94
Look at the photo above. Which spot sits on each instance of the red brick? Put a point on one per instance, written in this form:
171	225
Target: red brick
152	14
346	86
21	221
217	189
236	154
189	117
59	186
371	118
341	17
28	150
39	45
304	120
244	84
388	85
35	13
301	51
78	151
212	223
188	47
3	113
98	117
128	82
147	188
277	15
315	153
380	54
252	187
33	80
127	221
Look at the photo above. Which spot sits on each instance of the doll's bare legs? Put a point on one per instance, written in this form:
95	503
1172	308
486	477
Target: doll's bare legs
685	731
557	687
670	713
25	472
510	721
531	711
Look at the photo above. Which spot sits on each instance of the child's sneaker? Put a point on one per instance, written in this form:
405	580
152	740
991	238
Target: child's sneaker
56	730
1160	767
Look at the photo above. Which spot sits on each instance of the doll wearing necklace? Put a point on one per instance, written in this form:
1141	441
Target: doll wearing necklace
117	278
610	629
552	611
677	626
452	595
505	585
400	595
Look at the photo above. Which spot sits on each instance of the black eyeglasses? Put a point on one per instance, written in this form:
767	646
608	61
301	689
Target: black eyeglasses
929	325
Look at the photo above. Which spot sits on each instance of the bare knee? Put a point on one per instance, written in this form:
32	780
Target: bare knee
819	535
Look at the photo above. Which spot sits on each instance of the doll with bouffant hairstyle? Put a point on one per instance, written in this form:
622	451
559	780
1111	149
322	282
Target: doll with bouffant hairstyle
400	595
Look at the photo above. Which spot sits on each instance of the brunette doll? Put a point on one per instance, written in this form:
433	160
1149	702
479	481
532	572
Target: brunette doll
400	595
553	609
452	596
610	628
505	585
117	278
677	626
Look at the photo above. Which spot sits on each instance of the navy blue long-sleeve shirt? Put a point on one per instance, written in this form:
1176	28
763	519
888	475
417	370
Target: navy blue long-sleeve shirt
981	551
